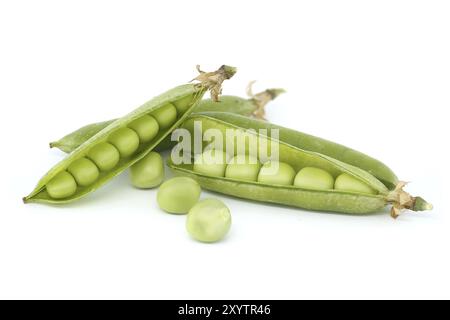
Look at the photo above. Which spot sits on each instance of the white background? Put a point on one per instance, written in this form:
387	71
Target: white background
373	75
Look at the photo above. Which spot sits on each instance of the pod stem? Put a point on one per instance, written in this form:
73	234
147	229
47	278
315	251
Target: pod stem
212	81
261	99
401	200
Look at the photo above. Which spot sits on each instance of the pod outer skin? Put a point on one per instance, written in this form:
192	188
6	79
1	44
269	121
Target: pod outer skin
231	104
311	143
40	195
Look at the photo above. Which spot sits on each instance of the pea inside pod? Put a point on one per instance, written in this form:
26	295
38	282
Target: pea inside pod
117	146
84	171
146	127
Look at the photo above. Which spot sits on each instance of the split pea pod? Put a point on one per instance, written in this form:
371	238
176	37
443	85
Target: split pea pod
315	144
123	142
306	179
253	106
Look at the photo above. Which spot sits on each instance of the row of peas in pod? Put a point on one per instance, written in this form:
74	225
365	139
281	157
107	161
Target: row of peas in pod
104	150
121	144
217	163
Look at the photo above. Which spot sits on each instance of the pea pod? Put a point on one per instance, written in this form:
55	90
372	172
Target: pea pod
254	106
312	143
117	146
344	199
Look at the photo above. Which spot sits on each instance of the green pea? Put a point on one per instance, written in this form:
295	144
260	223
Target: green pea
84	171
346	182
178	195
125	140
183	104
147	172
61	186
283	176
146	128
165	116
104	155
211	163
314	178
243	167
209	220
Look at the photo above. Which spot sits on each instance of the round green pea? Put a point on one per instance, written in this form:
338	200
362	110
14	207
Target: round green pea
314	178
165	116
125	140
284	175
183	104
211	163
146	128
178	195
243	167
346	182
104	155
208	221
147	172
84	171
63	185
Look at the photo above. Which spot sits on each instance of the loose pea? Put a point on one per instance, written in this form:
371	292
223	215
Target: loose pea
284	175
104	155
148	172
178	195
63	185
346	182
146	128
84	171
314	178
211	163
165	116
183	104
209	220
243	167
125	140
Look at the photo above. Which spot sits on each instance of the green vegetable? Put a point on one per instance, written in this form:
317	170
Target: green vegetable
178	195
166	115
254	106
346	182
147	172
208	221
243	167
84	171
284	175
104	155
315	179
211	162
146	127
242	183
62	185
123	139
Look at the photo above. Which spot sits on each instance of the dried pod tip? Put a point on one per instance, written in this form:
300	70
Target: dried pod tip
212	81
275	92
400	200
261	99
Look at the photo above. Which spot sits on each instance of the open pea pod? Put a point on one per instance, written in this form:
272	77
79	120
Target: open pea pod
312	143
124	141
333	198
253	106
